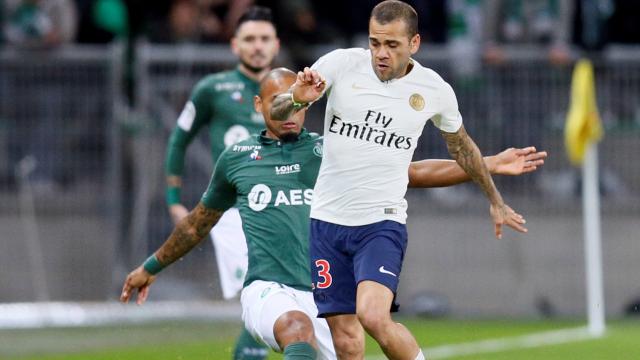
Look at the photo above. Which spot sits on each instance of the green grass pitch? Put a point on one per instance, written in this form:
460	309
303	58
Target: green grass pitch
185	341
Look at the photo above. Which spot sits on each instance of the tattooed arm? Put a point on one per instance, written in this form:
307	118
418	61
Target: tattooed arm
186	235
468	156
309	87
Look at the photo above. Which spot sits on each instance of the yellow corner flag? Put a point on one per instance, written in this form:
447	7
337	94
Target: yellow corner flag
583	121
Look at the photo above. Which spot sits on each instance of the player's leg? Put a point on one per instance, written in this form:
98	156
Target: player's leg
273	315
347	335
293	332
335	287
324	343
373	303
379	250
231	251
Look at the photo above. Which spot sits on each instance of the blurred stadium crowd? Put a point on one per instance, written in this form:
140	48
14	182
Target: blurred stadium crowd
590	24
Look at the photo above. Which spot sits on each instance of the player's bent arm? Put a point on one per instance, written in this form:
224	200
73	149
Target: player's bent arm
283	106
468	156
466	153
188	233
309	87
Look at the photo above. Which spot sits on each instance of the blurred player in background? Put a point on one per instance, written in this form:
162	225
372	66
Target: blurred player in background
379	101
270	178
224	102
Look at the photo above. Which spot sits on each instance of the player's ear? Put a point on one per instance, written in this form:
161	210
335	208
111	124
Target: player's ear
277	45
414	44
257	104
234	46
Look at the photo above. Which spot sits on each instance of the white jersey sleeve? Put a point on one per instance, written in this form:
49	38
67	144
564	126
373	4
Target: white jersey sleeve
448	119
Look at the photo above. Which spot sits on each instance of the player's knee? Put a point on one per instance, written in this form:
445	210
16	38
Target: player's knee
292	327
347	345
374	321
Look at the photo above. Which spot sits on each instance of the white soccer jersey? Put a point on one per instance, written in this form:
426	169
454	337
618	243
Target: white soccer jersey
371	129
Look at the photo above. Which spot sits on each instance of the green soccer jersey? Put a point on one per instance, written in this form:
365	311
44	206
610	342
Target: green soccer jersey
223	102
272	183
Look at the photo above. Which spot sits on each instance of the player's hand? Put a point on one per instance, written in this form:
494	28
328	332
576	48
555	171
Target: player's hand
504	215
519	161
308	87
178	212
140	280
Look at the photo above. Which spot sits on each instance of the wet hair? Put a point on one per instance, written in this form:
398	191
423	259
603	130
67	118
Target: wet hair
276	75
256	13
392	10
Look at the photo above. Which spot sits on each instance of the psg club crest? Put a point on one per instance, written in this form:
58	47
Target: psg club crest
417	102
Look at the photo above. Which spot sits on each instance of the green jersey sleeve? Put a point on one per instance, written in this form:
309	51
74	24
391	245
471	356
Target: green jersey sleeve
195	114
221	194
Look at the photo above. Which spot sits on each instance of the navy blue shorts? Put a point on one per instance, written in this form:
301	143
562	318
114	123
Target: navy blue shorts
343	256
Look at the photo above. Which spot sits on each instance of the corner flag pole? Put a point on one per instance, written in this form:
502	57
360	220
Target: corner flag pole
583	130
593	241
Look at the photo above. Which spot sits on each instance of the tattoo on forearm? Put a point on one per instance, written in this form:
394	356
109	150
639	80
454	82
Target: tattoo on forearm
466	153
282	107
188	233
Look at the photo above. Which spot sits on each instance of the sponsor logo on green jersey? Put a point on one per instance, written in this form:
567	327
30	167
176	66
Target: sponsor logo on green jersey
260	197
317	149
287	169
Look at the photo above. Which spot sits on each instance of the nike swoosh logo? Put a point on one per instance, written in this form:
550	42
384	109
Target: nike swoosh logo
382	270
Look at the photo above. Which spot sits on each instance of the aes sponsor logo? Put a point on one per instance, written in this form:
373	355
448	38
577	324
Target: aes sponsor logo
261	195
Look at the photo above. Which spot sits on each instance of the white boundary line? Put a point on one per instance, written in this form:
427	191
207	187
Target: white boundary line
546	338
69	314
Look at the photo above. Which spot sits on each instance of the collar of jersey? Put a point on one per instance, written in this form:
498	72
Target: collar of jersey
242	75
263	139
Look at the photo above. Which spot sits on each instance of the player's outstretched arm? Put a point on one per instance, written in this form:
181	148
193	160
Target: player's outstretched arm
440	173
468	156
186	235
309	87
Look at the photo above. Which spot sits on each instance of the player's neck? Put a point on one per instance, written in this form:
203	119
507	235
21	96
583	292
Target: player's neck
255	76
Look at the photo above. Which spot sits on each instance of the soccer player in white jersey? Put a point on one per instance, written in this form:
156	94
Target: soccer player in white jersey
378	103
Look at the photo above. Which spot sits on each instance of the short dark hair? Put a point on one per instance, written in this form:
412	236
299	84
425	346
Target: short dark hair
392	10
256	13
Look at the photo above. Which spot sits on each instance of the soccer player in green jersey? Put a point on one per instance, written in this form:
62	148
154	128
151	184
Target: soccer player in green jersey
224	102
270	178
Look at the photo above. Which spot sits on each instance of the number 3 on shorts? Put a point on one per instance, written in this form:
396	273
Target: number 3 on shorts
324	274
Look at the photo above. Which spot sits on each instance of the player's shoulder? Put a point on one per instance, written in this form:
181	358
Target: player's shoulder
428	75
210	81
314	136
347	56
